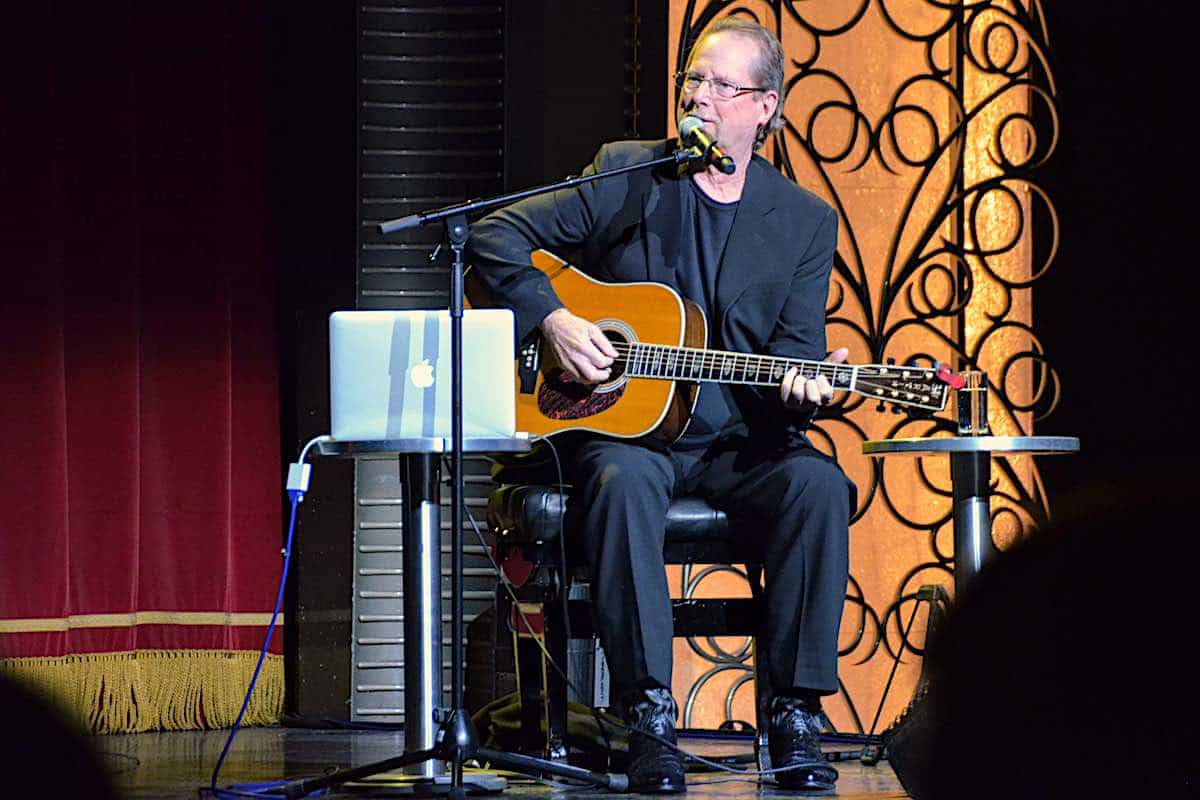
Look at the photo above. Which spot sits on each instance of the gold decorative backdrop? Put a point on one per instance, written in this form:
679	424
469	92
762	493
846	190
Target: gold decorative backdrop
923	123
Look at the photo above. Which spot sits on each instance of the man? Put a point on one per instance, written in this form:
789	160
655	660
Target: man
755	252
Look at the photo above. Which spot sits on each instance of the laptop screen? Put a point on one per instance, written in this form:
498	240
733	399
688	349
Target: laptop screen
390	374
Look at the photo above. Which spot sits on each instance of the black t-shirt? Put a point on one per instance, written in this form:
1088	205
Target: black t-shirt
702	246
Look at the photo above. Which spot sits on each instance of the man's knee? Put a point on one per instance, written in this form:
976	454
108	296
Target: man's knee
620	474
819	482
616	480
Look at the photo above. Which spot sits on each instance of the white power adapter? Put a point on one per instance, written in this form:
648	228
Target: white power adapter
297	479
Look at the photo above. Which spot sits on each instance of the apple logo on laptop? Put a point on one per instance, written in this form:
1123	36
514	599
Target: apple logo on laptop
421	374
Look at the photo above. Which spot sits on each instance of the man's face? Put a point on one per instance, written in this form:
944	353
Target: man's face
733	122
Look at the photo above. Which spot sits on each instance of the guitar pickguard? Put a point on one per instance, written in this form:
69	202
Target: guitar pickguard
562	398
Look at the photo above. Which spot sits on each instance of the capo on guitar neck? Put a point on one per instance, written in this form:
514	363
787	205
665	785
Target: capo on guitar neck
952	379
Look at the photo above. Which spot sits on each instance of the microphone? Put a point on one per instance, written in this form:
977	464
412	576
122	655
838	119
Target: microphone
691	132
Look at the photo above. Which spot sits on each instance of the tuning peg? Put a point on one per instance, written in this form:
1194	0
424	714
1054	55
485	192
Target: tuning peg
890	361
880	407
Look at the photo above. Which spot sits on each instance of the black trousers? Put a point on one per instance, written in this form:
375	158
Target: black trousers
797	501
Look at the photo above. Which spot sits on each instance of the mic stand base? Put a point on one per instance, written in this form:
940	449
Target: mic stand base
400	785
457	742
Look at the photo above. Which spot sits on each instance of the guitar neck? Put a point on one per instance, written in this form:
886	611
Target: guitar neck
915	386
717	366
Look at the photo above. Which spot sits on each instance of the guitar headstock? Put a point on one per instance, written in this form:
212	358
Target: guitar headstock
925	388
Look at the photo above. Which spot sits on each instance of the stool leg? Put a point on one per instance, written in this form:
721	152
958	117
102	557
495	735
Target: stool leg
762	699
762	678
529	659
556	685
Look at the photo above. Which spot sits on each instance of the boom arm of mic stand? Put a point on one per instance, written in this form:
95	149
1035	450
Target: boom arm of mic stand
680	156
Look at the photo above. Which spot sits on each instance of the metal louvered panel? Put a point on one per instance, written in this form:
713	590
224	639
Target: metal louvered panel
430	133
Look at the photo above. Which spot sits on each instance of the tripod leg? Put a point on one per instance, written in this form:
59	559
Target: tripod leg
538	766
306	786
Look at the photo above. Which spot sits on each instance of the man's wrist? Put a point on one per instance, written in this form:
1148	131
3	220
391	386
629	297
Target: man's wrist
549	318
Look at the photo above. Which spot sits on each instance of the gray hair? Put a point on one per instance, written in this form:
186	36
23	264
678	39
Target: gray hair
766	72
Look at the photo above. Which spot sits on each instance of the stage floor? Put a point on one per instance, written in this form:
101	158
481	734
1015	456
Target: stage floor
176	764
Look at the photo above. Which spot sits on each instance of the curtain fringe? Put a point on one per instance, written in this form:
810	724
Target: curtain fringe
147	690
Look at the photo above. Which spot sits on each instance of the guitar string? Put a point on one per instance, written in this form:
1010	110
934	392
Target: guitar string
859	385
675	362
863	385
661	353
867	388
729	362
751	369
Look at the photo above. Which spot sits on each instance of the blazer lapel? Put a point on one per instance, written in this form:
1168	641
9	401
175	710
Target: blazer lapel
662	212
748	254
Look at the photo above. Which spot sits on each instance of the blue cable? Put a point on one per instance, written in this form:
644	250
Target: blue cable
255	790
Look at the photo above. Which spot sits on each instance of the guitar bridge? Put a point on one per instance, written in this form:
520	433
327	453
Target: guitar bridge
528	361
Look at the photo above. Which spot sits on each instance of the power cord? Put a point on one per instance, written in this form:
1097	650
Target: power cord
297	484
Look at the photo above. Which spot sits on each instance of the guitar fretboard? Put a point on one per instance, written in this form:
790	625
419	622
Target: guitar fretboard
693	364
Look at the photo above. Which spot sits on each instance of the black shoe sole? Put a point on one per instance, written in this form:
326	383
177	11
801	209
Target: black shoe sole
807	787
664	787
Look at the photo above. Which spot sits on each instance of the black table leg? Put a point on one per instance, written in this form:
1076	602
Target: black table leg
970	475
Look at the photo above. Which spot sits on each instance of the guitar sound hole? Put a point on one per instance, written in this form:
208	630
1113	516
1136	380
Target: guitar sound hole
622	347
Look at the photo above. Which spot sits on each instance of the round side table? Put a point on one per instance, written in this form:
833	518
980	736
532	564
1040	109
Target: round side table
420	479
970	476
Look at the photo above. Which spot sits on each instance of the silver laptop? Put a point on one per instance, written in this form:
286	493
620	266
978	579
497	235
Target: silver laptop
389	374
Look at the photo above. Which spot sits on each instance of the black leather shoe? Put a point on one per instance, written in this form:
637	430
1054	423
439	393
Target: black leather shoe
653	766
794	740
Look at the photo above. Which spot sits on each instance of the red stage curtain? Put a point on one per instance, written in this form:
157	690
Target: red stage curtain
140	495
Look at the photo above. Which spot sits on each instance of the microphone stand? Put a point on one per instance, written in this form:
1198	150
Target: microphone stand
456	740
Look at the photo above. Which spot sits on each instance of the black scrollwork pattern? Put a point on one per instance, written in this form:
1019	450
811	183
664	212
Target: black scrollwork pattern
970	235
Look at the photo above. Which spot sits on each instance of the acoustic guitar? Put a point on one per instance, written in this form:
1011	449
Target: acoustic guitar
660	337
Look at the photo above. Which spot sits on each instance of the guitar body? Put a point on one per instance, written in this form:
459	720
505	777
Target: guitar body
623	407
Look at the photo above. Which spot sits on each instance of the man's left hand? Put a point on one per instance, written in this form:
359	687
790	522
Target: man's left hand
798	392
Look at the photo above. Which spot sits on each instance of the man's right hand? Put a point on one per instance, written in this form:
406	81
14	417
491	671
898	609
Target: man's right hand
582	349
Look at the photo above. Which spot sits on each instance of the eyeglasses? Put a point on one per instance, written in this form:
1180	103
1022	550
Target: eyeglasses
690	82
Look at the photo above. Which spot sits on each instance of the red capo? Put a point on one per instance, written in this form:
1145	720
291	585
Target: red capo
944	374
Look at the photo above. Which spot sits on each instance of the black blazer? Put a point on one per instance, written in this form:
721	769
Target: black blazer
774	278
